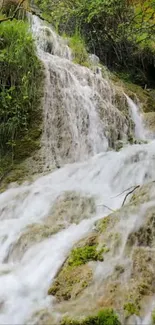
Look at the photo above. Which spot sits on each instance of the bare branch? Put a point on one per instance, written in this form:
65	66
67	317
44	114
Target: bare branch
14	14
106	207
129	194
122	192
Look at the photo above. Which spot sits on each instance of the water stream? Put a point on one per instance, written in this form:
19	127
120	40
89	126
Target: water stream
71	96
140	132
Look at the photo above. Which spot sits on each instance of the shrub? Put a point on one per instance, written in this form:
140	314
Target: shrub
104	317
21	78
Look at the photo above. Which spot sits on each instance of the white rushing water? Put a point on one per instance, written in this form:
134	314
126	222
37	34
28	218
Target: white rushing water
75	99
140	132
24	281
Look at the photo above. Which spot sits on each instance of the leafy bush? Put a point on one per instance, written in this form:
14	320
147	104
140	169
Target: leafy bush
78	47
21	78
104	317
121	33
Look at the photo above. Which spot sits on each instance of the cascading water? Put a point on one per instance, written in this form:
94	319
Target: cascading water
71	97
75	98
140	132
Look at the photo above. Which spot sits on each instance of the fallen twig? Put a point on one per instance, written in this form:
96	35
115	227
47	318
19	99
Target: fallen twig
106	207
130	193
112	197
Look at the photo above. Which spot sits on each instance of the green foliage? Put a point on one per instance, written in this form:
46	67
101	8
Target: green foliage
104	317
153	318
103	224
78	47
121	33
131	309
21	78
82	255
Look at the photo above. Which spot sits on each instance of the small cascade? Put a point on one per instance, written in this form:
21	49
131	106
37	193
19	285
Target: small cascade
80	115
140	132
25	280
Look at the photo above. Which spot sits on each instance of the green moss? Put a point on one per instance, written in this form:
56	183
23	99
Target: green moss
80	55
82	255
103	224
153	318
145	236
119	269
76	274
131	309
70	282
104	317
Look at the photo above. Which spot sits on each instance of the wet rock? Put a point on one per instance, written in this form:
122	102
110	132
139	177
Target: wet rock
133	320
70	282
149	119
71	207
44	317
33	234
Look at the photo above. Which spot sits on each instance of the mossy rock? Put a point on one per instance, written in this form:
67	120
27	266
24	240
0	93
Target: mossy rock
106	223
149	120
143	194
70	282
131	308
145	236
76	274
82	255
141	283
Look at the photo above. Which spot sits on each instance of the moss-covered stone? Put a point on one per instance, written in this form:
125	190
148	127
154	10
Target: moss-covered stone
76	274
123	281
131	309
149	120
145	236
143	194
82	255
71	281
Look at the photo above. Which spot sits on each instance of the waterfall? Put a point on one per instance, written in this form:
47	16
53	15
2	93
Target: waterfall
75	98
24	280
75	134
140	132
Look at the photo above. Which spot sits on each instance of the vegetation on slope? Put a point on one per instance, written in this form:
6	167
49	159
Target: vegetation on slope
21	76
121	33
104	317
